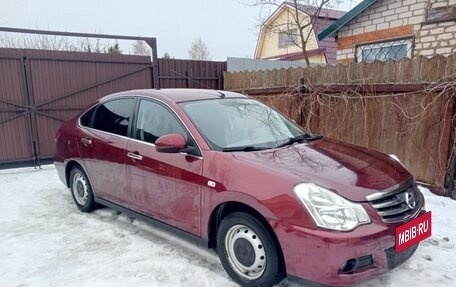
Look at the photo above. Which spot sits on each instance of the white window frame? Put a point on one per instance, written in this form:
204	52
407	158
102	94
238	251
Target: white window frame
286	38
379	45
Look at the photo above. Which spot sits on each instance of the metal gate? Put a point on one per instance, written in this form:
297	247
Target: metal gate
15	124
40	89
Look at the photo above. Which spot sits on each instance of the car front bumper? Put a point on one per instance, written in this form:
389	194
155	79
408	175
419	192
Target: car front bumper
317	255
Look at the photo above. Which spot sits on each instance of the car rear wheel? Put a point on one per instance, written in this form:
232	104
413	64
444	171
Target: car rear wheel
247	251
81	190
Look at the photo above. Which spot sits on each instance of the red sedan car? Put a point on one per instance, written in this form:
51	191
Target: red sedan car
272	199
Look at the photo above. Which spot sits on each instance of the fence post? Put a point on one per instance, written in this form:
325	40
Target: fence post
189	76
220	81
155	67
31	111
449	181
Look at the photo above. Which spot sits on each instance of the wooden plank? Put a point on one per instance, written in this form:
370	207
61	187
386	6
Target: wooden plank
337	89
441	14
446	144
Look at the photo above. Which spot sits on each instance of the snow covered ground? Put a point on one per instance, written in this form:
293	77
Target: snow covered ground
46	241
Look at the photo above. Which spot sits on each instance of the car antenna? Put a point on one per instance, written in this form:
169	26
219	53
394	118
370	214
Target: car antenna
222	95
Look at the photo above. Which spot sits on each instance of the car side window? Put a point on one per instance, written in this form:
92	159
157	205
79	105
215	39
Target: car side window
114	116
154	121
86	118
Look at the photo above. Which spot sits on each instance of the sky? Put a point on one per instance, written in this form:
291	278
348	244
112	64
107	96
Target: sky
227	27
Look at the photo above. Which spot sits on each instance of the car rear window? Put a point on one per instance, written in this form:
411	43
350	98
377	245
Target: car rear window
114	116
86	118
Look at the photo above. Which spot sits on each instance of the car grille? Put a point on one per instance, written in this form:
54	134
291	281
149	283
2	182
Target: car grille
395	259
398	205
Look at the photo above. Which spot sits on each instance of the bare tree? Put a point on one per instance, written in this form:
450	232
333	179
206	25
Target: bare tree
166	55
92	45
115	49
50	42
300	26
141	48
198	50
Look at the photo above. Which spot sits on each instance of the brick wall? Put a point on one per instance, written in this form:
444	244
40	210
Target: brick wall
438	38
389	19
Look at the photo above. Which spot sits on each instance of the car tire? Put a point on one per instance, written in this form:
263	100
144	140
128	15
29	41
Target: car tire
81	190
247	251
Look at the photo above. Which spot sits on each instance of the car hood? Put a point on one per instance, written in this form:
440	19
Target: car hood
352	171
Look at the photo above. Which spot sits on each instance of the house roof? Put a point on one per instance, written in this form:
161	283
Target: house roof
333	28
324	12
325	18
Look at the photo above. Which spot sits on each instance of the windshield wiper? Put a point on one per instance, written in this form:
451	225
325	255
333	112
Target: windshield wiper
244	148
306	137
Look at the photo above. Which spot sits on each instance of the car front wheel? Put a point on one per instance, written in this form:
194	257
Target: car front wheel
247	251
81	190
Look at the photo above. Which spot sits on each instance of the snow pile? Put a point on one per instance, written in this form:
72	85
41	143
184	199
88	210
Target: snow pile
46	241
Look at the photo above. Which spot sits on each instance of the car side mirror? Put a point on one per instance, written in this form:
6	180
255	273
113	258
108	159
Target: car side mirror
171	143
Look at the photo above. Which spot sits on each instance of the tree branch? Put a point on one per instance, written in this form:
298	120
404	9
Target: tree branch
301	14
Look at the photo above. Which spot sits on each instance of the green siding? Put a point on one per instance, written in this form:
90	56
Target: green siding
345	19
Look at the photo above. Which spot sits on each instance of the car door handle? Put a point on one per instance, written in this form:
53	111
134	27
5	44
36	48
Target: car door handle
86	141
135	155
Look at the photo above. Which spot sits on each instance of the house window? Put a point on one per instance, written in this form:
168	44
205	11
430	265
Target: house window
383	51
288	38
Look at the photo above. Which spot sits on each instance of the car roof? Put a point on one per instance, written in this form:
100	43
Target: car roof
180	95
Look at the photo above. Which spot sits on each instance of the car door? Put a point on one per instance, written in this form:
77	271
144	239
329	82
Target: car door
102	147
163	185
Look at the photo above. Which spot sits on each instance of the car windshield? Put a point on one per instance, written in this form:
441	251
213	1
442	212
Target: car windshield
240	124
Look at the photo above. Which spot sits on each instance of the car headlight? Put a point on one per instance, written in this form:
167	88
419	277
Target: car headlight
330	210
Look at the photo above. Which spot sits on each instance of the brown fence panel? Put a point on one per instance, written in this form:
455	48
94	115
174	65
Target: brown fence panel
14	121
63	84
40	89
401	107
176	73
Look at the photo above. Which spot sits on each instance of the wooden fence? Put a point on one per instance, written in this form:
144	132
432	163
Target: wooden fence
399	107
177	73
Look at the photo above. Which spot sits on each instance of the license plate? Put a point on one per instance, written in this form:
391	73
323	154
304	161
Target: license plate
413	232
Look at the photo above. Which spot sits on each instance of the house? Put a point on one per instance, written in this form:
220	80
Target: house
394	29
279	34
